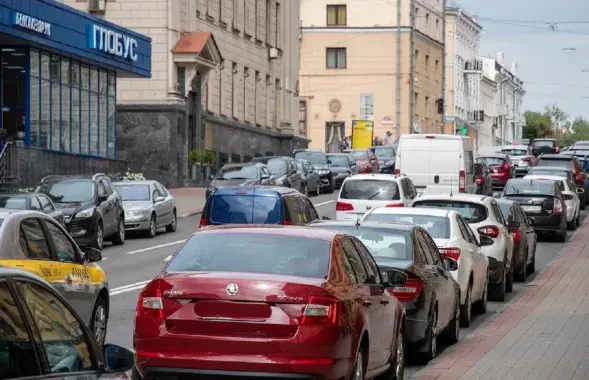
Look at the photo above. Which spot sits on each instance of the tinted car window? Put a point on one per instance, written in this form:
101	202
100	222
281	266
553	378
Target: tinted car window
244	172
34	239
354	258
369	264
277	166
556	163
370	190
527	187
515	152
438	227
46	204
506	210
541	143
383	152
339	161
235	209
69	191
64	249
549	171
134	192
316	158
253	253
16	203
359	155
471	212
17	354
491	161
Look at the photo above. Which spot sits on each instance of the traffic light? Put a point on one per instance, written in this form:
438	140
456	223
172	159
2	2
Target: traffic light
464	131
440	103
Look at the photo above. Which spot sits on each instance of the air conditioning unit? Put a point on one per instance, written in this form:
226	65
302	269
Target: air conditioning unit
97	6
272	53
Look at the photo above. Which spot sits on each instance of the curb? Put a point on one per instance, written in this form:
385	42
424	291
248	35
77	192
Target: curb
189	214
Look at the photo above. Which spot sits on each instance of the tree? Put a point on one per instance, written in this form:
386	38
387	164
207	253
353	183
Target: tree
537	125
558	117
579	130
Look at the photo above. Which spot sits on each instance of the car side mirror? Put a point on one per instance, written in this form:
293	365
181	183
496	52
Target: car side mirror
117	358
485	241
580	190
93	255
496	194
159	199
395	278
451	264
513	225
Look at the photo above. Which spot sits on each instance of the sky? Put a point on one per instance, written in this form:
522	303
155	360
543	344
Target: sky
518	29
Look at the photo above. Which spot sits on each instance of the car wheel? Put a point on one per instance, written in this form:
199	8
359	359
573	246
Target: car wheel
571	226
152	231
584	202
398	366
358	369
521	277
509	281
99	237
466	309
562	237
174	225
480	307
331	188
578	219
432	344
531	267
119	237
99	321
453	334
498	290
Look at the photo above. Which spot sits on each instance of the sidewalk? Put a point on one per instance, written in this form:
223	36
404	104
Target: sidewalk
541	334
189	200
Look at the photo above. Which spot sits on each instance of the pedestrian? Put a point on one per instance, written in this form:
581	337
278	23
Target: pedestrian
387	138
343	145
349	142
375	142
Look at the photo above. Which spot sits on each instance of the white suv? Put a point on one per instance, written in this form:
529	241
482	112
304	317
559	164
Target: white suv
456	241
484	217
363	192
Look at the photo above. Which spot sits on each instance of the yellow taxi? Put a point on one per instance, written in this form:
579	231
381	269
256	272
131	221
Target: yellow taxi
37	243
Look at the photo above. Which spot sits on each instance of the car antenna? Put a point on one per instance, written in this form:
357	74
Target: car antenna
358	223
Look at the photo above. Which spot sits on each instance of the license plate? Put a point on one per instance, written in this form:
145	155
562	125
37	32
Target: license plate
532	208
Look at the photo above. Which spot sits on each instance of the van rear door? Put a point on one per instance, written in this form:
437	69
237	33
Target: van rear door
415	160
444	165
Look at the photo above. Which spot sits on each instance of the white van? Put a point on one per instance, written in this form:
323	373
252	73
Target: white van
437	164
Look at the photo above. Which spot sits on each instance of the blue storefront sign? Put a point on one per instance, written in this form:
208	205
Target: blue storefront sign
111	42
34	24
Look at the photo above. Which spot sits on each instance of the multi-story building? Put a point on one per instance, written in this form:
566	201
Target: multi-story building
463	74
369	60
224	80
487	132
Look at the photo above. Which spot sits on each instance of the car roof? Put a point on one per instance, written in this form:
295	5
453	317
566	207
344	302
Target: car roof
547	168
527	179
506	201
412	211
454	197
378	177
337	154
264	191
142	182
518	146
241	164
492	155
545	177
389	226
297	231
565	157
264	158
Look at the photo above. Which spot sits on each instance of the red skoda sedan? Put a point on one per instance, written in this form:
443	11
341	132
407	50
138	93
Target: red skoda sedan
255	302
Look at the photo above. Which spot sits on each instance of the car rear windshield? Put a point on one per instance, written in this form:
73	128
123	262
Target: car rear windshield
541	143
384	244
359	155
15	203
254	253
515	152
565	162
134	192
69	190
373	190
491	161
316	158
548	171
438	227
384	152
471	212
339	161
239	172
245	209
530	187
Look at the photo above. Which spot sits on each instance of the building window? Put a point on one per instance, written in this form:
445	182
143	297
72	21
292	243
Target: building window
233	90
336	15
303	118
336	58
427	19
278	25
256	95
426	64
268	22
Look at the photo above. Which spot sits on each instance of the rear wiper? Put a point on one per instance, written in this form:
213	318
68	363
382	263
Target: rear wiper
378	192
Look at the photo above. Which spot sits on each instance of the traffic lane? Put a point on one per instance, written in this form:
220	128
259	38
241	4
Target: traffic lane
546	251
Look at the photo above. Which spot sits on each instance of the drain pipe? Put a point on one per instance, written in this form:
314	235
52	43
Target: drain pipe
502	97
398	90
444	68
412	108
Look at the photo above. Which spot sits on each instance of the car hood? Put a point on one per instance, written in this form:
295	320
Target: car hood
234	182
340	169
70	208
137	205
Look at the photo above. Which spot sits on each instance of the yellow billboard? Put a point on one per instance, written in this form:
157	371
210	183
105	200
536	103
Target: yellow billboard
362	134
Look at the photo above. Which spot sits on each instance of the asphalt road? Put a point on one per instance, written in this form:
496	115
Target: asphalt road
131	266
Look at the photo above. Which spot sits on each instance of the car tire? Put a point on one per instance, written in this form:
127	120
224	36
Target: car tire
119	237
397	370
174	225
562	237
99	321
152	230
453	330
578	219
331	187
571	226
509	282
531	267
480	307
98	242
318	189
358	368
521	277
584	202
432	343
498	290
466	309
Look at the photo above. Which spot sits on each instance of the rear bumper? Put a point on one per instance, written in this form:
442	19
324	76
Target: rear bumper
499	180
549	223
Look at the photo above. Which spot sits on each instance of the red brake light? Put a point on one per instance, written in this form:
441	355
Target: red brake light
479	180
516	236
506	167
490	231
343	206
450	253
527	159
395	205
322	311
579	177
203	222
409	291
461	181
396	172
557	210
150	303
287	222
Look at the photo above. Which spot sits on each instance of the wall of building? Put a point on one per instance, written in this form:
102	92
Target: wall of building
428	84
488	97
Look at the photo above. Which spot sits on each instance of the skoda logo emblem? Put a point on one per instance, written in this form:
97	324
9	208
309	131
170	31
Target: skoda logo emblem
232	289
368	207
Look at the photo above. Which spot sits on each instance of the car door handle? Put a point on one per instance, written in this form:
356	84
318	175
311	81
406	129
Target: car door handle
367	303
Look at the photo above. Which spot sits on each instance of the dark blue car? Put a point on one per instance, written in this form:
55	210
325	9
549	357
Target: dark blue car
257	205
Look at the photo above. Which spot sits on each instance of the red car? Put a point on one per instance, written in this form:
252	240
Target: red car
266	302
366	160
501	168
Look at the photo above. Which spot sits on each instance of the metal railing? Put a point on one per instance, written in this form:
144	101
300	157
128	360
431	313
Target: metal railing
4	164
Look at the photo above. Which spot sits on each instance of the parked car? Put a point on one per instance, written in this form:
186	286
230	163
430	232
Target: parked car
364	192
545	146
456	241
521	158
257	205
35	242
570	193
386	156
32	201
248	174
483	179
46	336
484	217
343	165
524	239
284	169
321	164
572	163
365	159
148	207
430	294
584	144
311	179
543	203
92	208
501	168
269	303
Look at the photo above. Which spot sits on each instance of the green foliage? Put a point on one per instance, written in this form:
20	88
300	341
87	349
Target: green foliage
209	158
537	125
578	131
195	157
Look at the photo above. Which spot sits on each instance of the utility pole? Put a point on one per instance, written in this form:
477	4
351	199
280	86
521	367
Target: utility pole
412	108
398	86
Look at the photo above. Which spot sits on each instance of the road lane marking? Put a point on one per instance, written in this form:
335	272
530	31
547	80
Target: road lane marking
129	288
324	203
156	247
168	259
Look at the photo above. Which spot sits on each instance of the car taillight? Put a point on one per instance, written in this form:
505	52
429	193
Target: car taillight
287	222
409	291
480	180
505	167
323	311
461	181
395	205
490	231
450	253
150	303
343	206
580	178
396	172
557	210
516	236
203	222
567	197
527	159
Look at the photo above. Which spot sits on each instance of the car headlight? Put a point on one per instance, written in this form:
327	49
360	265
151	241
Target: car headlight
85	213
323	172
135	214
389	163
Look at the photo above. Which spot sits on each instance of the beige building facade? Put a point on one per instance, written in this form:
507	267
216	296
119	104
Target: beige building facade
369	60
224	81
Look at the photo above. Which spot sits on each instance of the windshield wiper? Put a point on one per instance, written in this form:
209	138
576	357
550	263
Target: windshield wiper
378	192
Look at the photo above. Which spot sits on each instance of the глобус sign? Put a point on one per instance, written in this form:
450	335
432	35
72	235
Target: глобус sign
31	23
111	42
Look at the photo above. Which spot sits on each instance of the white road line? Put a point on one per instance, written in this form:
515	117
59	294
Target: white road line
168	259
156	247
324	203
129	288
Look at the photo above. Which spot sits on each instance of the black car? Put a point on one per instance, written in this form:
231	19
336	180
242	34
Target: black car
43	337
386	156
431	296
253	173
571	162
483	179
524	239
284	169
543	203
311	178
92	208
342	165
32	201
545	146
321	163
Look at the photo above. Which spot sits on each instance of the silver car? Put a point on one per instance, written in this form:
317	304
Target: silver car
148	206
